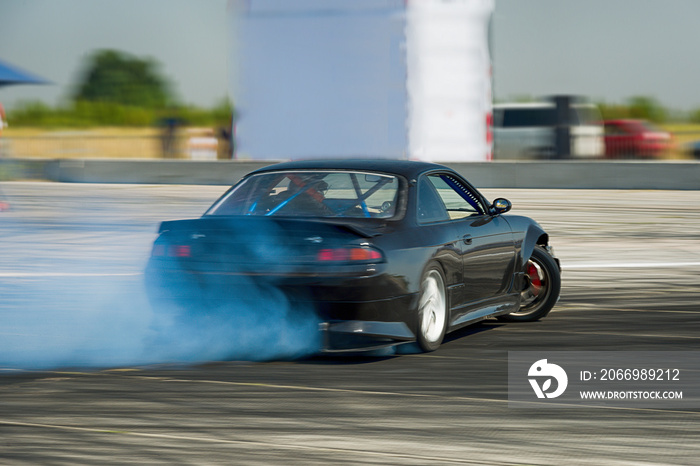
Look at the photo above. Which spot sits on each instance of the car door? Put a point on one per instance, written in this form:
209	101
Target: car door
439	235
617	140
486	241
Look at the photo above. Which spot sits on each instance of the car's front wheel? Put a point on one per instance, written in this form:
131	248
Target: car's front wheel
541	287
432	310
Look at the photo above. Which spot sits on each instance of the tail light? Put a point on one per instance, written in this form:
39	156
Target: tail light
351	254
171	250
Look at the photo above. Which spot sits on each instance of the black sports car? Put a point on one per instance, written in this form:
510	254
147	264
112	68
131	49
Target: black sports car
384	252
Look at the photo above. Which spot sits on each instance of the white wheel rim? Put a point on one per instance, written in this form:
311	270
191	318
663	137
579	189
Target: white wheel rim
432	307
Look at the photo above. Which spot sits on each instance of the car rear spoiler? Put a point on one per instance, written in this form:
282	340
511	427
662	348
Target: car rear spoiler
221	222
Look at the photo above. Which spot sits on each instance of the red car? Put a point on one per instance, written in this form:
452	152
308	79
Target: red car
635	138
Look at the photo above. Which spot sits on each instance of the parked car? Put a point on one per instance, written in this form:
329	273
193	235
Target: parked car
527	131
384	252
635	138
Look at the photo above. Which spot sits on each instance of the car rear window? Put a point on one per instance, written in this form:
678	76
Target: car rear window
307	193
544	116
528	117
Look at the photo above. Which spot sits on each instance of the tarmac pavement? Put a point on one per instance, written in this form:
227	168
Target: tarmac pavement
631	269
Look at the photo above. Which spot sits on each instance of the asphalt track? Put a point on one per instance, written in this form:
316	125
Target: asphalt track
630	281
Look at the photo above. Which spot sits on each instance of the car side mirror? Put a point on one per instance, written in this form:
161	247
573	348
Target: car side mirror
501	206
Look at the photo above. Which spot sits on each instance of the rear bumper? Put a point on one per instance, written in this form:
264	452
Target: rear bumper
354	313
357	335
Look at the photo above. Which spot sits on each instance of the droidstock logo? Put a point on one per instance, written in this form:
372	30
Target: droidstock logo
544	372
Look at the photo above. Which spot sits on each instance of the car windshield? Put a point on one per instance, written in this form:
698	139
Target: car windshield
307	193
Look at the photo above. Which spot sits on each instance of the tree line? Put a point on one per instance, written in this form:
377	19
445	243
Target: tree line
118	89
645	108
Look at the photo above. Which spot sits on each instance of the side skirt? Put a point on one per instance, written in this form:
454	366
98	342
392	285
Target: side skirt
475	312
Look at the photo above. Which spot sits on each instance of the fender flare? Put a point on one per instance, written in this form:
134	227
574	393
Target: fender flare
534	235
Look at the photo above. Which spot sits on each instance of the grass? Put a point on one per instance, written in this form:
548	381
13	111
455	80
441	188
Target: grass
145	143
683	134
120	143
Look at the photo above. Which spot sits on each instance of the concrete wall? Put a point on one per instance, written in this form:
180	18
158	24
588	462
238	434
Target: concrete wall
560	174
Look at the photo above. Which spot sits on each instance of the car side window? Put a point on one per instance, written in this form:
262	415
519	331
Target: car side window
459	200
613	130
431	208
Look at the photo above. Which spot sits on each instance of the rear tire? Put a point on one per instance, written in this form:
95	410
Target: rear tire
432	310
541	288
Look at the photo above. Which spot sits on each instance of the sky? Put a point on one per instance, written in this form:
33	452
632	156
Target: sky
605	49
51	38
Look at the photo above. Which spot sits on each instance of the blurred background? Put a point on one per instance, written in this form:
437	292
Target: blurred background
126	79
153	80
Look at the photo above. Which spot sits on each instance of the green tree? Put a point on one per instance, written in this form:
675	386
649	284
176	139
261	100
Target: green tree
115	77
647	108
694	116
613	111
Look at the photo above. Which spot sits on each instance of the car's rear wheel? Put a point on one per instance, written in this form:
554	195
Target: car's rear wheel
432	310
541	287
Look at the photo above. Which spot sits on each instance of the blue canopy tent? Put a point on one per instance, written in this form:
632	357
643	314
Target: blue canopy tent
12	75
